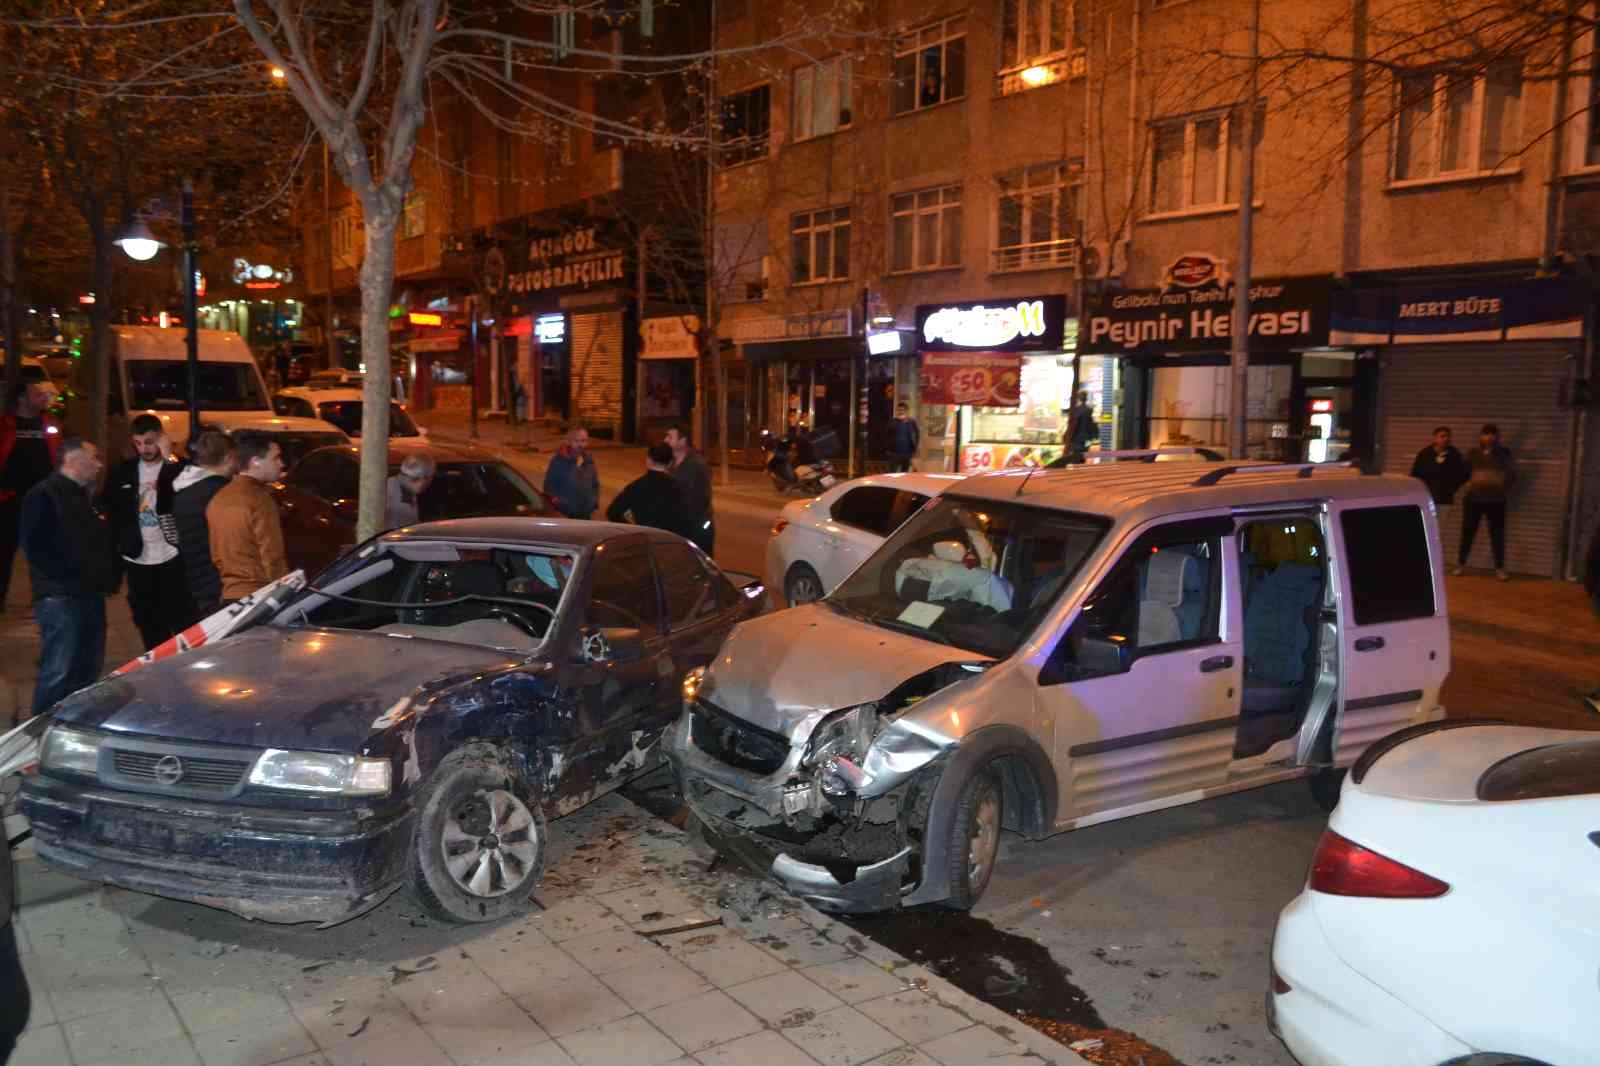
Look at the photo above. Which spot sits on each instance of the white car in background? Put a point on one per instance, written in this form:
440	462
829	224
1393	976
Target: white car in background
816	543
1450	915
340	405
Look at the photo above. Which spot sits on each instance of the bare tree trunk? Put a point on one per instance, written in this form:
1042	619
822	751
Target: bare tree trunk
377	285
101	277
8	293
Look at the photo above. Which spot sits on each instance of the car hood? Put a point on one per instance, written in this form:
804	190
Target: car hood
306	689
778	669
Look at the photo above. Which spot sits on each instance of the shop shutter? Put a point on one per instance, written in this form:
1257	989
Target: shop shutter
596	348
1518	388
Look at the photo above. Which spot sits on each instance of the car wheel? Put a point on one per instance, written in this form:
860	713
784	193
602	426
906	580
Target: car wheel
802	585
1325	786
975	839
480	845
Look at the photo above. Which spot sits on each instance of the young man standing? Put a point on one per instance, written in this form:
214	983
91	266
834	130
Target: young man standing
242	519
1440	467
1490	476
138	500
213	468
904	437
28	441
571	479
654	499
74	567
694	485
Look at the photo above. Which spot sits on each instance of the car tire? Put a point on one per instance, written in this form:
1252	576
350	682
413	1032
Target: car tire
480	843
1325	785
974	844
802	585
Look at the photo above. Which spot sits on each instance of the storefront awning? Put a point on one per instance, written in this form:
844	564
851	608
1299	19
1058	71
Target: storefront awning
1489	310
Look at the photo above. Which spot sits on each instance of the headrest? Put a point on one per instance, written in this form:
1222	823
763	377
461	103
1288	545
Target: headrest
951	551
476	579
1168	575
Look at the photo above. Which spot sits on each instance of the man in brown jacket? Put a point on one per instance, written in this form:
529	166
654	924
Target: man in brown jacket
246	534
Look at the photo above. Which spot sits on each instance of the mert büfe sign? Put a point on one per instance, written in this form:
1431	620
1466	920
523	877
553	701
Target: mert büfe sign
1028	324
1192	311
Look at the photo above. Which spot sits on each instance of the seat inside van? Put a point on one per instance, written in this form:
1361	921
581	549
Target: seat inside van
1284	564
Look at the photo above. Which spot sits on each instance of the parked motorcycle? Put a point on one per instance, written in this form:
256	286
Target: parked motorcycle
796	464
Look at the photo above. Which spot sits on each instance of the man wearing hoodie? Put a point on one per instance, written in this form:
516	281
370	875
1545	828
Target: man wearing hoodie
1489	479
571	479
212	453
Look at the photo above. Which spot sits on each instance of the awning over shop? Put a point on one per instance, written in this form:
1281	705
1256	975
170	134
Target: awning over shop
804	351
1488	310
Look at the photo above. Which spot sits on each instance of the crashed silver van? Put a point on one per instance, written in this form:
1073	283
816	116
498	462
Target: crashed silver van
1041	651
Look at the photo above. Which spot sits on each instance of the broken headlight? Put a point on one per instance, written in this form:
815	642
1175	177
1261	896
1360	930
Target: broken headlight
74	750
846	733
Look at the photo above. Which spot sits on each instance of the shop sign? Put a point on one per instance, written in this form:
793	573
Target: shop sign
669	337
1194	315
574	258
982	458
1194	270
985	379
812	325
550	329
260	276
1029	324
1475	311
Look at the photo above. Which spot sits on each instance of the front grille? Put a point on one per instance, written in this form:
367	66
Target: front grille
735	741
199	774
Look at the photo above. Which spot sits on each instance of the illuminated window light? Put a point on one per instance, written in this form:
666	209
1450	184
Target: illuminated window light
1033	77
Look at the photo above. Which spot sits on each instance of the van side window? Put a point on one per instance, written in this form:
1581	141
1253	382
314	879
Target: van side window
1386	556
1164	594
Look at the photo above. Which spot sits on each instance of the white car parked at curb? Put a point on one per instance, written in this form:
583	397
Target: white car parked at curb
815	543
1450	913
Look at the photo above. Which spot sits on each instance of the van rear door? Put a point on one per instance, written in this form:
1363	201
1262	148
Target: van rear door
1394	634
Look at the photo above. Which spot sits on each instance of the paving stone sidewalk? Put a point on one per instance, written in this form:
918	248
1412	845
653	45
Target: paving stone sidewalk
605	974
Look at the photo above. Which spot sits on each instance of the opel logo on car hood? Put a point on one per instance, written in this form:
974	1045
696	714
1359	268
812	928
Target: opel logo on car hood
168	769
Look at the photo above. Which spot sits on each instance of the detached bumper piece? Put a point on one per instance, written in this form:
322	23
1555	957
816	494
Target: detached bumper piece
845	888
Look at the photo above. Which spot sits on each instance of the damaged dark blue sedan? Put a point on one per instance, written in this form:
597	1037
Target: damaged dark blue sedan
414	716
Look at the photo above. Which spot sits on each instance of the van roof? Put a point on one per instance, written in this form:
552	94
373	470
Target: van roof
1138	490
153	342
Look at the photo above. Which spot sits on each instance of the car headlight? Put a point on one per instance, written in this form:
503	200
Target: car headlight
315	771
848	733
696	683
73	750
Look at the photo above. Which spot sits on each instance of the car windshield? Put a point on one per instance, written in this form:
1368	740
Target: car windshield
465	490
297	445
466	594
163	384
346	414
977	574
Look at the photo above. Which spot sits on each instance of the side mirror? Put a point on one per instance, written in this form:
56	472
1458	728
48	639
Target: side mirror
613	645
1085	658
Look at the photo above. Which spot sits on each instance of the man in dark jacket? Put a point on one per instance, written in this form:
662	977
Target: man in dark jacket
571	479
1440	467
210	472
694	483
138	501
654	499
74	567
904	437
28	441
1082	430
1489	479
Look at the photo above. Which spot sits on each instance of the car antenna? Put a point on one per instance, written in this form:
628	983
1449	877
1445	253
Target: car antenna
1025	478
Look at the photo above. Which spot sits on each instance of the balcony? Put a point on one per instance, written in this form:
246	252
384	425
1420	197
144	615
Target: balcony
1045	71
1040	255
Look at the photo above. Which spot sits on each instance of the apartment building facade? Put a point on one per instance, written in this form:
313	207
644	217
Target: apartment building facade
983	209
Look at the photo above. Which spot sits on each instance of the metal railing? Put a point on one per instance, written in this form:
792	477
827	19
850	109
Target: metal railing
1063	252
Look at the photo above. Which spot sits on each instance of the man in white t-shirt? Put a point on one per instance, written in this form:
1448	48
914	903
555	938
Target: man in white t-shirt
138	500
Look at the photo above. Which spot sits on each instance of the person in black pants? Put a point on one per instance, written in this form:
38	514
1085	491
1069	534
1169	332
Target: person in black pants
1489	480
904	437
694	484
138	499
654	499
28	441
212	469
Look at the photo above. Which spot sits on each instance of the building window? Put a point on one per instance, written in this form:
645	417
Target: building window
746	125
930	66
821	98
926	229
1195	163
344	234
1034	30
1037	214
1453	124
741	263
414	219
819	246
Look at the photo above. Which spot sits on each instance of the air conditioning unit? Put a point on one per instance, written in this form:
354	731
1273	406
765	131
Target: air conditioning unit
1105	259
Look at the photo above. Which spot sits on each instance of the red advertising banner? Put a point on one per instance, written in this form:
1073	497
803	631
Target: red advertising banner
984	379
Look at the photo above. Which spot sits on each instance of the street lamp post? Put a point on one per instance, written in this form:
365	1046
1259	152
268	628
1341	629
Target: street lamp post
141	245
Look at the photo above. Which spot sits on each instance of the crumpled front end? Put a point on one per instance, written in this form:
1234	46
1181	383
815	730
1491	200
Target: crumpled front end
839	804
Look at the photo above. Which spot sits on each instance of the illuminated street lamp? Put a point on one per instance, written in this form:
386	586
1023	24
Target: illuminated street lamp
139	242
141	245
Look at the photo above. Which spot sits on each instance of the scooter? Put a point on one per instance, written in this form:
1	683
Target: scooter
804	479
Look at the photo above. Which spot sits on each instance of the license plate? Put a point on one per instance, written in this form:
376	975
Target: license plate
828	480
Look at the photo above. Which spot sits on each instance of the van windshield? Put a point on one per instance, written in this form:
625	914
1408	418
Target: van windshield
163	384
978	574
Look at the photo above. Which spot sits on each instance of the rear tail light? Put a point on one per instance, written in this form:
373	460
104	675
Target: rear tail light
1344	868
779	526
1279	985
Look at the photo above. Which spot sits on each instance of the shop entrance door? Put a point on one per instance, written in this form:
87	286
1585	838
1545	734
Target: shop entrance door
554	398
1329	415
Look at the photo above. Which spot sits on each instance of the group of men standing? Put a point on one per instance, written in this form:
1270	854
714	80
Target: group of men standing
190	536
1483	476
673	494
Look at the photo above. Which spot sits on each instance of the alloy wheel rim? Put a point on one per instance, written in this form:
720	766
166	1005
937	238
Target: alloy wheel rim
805	589
490	843
984	839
